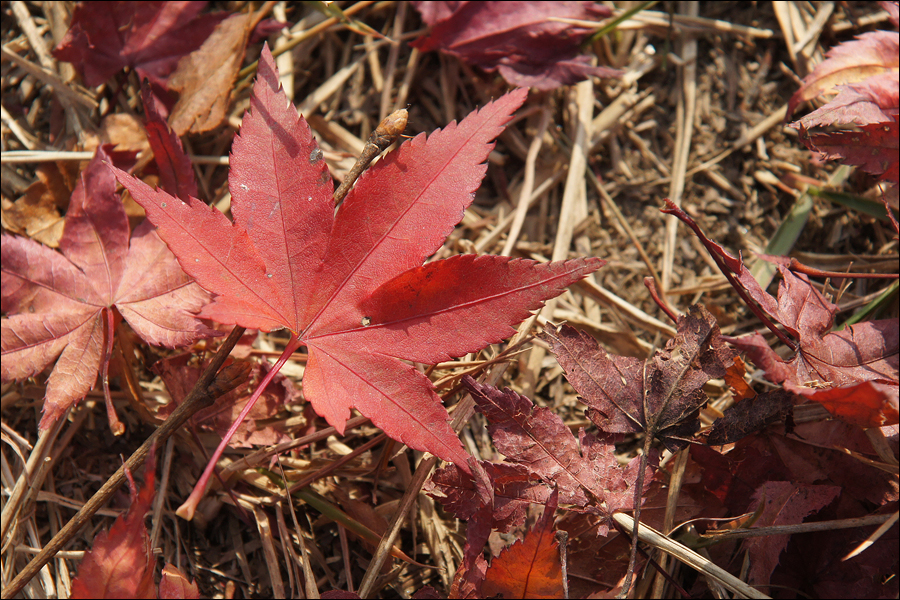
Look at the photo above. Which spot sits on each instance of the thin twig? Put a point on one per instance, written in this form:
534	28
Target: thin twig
299	38
797	528
688	557
384	135
686	111
638	497
76	96
799	267
528	183
41	450
675	483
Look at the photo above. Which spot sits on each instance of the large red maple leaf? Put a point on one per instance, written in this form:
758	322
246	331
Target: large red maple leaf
61	305
352	286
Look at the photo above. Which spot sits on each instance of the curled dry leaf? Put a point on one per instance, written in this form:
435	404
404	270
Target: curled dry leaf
205	78
661	396
584	470
870	54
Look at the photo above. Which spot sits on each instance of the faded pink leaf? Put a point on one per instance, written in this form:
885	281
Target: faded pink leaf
62	305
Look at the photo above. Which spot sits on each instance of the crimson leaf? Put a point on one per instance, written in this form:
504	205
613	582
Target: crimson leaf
852	373
151	37
351	286
661	396
120	563
584	471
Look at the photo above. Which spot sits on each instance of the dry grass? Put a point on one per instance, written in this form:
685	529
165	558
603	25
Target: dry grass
652	134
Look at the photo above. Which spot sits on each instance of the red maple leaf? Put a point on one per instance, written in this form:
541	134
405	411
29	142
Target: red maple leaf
176	172
539	452
852	372
585	470
352	287
174	584
120	563
65	302
151	37
518	39
873	148
784	503
661	396
874	100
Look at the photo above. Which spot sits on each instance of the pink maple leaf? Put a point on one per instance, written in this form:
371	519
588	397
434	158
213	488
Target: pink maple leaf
863	73
869	54
65	304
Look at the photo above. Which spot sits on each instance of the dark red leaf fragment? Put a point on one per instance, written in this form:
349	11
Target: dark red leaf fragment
518	39
150	37
751	415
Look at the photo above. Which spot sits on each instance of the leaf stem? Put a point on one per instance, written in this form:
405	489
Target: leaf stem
650	284
186	510
638	495
799	267
200	397
109	327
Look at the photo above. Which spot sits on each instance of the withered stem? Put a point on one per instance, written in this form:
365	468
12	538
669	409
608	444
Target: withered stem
384	135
